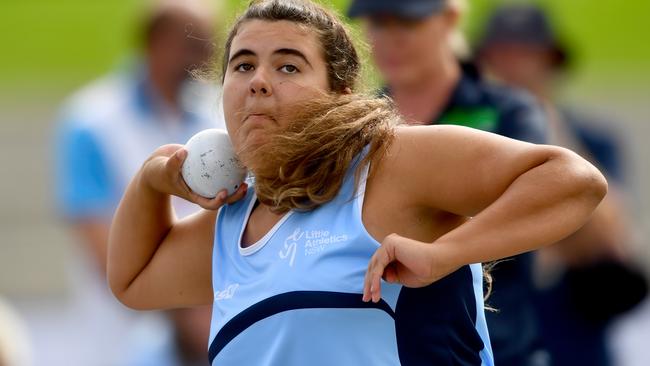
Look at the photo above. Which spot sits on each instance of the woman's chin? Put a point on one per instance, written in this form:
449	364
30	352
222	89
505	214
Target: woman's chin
251	144
256	139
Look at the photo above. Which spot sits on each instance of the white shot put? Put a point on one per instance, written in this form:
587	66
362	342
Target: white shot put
211	164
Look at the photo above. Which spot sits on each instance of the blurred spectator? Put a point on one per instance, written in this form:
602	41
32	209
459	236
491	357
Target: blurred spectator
417	45
585	281
105	132
15	347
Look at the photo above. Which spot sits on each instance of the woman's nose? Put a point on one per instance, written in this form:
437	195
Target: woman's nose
260	85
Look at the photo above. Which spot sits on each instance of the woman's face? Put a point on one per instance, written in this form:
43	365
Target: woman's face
271	66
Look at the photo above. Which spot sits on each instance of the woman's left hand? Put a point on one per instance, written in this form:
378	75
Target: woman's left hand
406	261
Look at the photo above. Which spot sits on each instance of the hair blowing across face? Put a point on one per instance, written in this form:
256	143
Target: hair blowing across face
302	165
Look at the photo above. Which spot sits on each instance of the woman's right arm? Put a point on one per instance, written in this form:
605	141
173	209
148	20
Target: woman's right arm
156	261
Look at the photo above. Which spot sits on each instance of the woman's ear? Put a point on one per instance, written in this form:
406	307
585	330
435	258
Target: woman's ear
347	90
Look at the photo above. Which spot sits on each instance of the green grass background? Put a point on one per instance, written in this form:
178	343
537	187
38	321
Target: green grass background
53	46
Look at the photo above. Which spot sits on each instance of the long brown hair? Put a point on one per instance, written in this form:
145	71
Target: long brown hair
302	165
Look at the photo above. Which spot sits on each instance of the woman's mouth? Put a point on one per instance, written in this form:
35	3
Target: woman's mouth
261	119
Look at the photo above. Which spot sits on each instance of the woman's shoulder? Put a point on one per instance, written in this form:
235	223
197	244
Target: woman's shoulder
440	132
416	145
424	160
406	180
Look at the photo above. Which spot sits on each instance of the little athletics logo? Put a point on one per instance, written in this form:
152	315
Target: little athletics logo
314	242
226	293
319	240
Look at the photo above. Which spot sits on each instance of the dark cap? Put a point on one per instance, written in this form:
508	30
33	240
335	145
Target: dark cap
523	24
410	9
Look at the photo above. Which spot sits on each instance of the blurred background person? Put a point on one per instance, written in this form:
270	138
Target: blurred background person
586	280
105	132
419	49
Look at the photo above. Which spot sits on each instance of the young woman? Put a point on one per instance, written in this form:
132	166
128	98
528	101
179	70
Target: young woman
294	263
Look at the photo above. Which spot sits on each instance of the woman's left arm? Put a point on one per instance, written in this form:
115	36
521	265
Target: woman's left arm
520	196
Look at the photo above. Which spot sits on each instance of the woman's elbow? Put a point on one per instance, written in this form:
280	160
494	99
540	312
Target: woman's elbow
118	288
596	184
588	182
125	296
121	289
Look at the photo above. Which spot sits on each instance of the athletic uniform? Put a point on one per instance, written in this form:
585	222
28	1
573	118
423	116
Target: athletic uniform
294	297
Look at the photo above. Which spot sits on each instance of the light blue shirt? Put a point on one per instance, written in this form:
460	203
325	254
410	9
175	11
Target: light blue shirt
107	130
294	297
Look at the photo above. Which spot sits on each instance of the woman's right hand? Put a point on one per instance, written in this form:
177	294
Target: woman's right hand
162	173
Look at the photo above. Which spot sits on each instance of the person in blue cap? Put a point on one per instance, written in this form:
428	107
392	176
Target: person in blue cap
521	48
419	51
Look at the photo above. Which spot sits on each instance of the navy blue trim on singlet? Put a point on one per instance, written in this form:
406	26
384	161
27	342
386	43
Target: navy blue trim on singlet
289	301
436	324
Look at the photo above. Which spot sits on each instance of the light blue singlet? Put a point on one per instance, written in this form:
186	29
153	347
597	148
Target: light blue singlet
294	297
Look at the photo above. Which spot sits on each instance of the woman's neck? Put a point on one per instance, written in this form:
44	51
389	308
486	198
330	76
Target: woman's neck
261	220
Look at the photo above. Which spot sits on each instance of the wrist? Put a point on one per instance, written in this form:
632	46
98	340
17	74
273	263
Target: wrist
447	257
148	177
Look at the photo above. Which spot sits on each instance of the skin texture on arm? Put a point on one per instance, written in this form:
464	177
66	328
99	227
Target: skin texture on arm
604	237
520	197
154	260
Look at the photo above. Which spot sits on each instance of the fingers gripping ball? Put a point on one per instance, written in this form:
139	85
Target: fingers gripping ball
211	164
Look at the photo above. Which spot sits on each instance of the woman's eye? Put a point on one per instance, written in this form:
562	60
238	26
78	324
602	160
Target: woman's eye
289	69
244	67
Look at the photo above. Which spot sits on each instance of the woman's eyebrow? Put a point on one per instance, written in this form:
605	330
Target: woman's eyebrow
240	53
293	51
